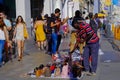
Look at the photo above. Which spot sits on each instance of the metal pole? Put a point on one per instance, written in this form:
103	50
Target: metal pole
98	6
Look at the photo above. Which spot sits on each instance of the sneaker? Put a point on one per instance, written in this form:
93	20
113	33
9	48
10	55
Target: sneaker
0	65
54	58
93	73
39	49
87	73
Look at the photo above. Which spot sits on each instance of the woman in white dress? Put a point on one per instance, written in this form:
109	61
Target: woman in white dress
19	36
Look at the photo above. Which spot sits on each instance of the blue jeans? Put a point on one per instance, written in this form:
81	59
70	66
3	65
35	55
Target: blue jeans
54	43
2	42
91	49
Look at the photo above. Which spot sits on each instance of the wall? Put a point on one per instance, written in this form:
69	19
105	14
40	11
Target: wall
23	9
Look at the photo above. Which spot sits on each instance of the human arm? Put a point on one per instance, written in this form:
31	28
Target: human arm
35	25
65	20
8	28
6	34
52	24
8	24
75	46
14	33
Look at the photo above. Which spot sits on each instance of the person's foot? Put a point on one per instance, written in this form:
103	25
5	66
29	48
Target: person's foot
87	73
0	65
93	73
54	57
39	49
45	48
15	56
42	48
3	63
20	58
49	53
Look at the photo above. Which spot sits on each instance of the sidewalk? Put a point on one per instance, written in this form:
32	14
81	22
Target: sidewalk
117	42
110	36
108	63
32	58
16	70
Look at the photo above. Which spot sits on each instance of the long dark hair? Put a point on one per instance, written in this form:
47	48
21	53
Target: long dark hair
2	24
39	17
22	21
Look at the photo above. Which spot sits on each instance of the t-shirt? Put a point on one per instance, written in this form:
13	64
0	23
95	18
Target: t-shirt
2	35
56	28
7	22
85	32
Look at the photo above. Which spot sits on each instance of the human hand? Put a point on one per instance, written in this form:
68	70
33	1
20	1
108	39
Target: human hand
13	39
58	23
67	17
9	44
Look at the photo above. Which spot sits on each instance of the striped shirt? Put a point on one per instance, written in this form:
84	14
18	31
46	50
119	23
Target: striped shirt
86	33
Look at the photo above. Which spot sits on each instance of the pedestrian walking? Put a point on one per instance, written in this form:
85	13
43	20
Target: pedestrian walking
20	34
53	25
40	33
98	23
94	22
9	27
56	36
3	38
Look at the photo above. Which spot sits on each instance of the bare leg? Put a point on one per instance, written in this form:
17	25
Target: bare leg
22	49
38	44
19	49
42	45
45	44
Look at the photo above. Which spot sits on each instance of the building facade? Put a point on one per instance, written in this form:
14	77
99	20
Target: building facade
32	8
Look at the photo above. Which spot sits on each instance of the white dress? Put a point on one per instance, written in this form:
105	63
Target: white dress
20	32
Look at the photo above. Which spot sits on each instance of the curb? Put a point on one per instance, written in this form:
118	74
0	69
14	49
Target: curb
117	42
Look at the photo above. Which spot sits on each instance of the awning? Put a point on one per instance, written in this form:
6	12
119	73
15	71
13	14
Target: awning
101	15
